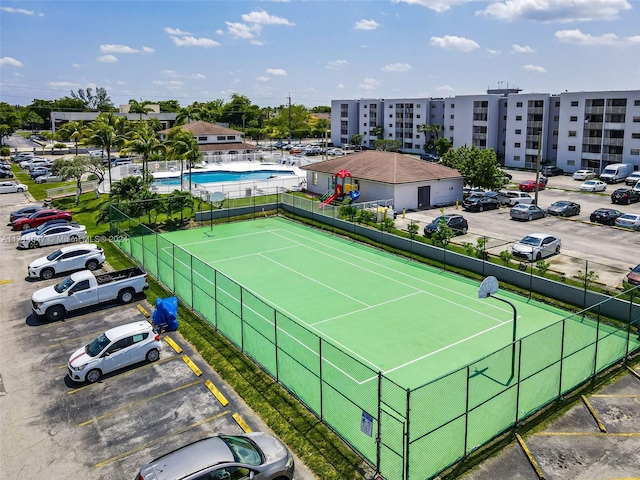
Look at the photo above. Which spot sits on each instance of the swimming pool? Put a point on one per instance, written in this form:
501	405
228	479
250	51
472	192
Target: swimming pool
224	176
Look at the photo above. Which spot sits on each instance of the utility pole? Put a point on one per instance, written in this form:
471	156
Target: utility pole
538	164
289	118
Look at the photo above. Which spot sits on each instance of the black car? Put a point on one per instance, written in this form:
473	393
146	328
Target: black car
457	223
24	212
549	171
625	195
605	216
482	202
564	208
6	174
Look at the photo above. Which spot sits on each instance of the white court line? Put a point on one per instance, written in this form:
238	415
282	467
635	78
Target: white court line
212	240
413	287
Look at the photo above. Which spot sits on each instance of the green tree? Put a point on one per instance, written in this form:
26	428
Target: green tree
356	139
71	131
377	131
171	106
441	146
480	168
9	121
94	100
103	133
183	146
444	233
388	145
31	119
140	107
71	169
178	201
144	141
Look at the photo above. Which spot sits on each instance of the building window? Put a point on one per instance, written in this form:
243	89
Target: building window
572	148
572	133
571	163
573	119
390	126
202	139
574	103
556	118
557	104
518	104
365	115
635	151
636	119
450	127
554	146
365	105
417	105
221	137
516	158
433	105
635	136
453	105
418	116
433	115
504	118
636	103
231	137
518	118
518	131
554	133
516	145
314	179
452	117
391	115
391	106
365	125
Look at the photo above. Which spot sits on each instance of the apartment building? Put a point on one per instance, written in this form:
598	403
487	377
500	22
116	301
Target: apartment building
572	130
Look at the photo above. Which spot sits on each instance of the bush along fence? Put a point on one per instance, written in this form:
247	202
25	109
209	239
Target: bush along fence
415	433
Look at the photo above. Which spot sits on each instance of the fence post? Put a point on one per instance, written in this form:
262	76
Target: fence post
192	284
407	438
518	381
173	266
466	411
320	371
275	339
157	257
241	321
595	353
564	322
379	434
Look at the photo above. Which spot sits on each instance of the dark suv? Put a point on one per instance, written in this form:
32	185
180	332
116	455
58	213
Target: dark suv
625	195
457	223
549	171
481	202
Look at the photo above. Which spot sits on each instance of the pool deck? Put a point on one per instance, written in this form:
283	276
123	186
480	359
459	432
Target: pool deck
205	167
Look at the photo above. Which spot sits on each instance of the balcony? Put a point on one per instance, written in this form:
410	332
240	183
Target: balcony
590	156
616	142
535	110
612	157
479	123
534	125
616	110
482	110
593	126
594	110
613	126
531	151
479	136
591	140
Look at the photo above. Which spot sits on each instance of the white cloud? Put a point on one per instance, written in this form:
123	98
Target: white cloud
175	31
366	25
77	65
171	85
63	84
262	17
263	79
241	30
256	42
5	61
445	88
108	59
17	10
276	71
340	85
515	48
175	74
493	52
579	38
435	5
397	67
534	68
634	39
335	63
561	11
114	48
369	84
219	32
451	42
189	41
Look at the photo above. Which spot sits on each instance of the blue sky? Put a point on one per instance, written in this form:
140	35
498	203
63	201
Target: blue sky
314	51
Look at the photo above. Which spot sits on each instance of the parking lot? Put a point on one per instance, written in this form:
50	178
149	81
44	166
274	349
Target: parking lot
609	251
54	428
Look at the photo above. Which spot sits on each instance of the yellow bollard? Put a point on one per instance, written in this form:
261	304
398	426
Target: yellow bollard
404	210
457	203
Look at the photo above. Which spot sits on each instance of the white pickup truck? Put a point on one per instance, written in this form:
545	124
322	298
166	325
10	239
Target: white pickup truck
83	289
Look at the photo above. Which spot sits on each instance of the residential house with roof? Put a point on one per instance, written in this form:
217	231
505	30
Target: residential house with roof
215	139
409	182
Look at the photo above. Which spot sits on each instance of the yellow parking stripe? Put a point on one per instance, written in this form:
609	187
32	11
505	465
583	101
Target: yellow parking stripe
217	393
4	282
529	456
636	374
158	440
84	387
586	434
594	414
143	311
192	365
173	344
241	423
139	402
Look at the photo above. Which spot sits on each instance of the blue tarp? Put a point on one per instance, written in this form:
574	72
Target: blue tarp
165	316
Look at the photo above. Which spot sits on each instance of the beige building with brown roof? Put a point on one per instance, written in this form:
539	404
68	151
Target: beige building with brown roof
214	138
410	182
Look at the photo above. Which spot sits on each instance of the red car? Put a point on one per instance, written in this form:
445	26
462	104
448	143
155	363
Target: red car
530	185
38	218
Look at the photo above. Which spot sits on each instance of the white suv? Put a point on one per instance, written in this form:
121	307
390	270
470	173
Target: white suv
115	349
512	198
585	174
67	259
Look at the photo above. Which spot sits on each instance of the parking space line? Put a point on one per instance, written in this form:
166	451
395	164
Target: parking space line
217	393
241	423
143	311
635	374
84	387
622	395
139	402
4	282
594	414
66	320
76	339
586	434
158	440
530	457
192	365
173	344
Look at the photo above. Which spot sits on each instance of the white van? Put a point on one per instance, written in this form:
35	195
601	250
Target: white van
616	172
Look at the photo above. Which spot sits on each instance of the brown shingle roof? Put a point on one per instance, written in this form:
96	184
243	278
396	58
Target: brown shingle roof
225	147
206	128
385	167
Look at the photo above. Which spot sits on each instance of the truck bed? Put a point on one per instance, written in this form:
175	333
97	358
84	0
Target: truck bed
105	278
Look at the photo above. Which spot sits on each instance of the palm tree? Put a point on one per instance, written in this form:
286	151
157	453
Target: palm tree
71	131
427	130
139	107
183	146
143	141
102	133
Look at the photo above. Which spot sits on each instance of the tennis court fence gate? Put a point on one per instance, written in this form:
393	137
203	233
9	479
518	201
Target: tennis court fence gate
404	433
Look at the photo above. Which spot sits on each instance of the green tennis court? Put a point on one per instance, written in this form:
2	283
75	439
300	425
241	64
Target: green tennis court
410	322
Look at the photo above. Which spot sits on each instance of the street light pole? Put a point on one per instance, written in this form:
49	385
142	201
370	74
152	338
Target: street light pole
538	164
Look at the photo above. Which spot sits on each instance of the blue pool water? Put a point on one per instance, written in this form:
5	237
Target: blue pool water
224	176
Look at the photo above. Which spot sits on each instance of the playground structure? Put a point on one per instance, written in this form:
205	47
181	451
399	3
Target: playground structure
340	188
